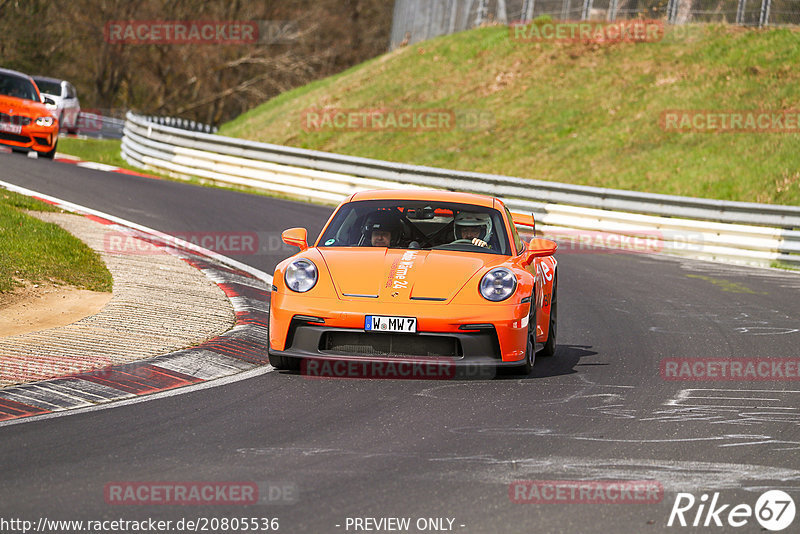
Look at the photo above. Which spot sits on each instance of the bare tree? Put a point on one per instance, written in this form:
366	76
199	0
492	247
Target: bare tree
206	82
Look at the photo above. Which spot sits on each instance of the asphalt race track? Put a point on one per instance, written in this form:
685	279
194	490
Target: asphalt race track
599	410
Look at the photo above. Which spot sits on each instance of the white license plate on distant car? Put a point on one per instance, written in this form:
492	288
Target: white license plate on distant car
383	323
11	128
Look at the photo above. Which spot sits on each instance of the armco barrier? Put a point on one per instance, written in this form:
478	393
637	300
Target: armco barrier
738	232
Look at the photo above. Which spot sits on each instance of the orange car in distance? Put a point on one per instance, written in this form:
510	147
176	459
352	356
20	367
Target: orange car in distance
25	122
416	276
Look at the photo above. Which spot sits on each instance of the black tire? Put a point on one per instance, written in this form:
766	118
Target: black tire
282	362
51	154
549	348
276	361
526	368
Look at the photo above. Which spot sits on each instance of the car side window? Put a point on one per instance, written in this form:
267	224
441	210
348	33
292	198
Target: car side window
70	91
520	246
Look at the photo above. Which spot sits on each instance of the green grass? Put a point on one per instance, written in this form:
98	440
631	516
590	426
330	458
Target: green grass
98	150
37	251
571	112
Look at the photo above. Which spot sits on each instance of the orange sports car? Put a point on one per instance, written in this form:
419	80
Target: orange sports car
25	122
415	276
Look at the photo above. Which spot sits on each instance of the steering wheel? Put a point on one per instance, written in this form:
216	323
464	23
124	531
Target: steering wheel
462	242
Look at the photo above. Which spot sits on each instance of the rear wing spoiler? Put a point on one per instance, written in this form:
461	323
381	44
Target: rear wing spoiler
524	219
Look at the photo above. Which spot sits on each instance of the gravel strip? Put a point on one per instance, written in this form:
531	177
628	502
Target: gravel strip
160	304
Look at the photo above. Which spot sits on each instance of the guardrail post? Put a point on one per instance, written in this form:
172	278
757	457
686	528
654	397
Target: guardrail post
611	16
763	19
527	10
587	9
740	11
483	9
672	11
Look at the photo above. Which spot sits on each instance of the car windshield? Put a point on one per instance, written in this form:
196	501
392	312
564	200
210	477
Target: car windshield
413	224
18	87
51	88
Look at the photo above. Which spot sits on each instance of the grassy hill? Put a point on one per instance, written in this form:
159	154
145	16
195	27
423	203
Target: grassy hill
581	113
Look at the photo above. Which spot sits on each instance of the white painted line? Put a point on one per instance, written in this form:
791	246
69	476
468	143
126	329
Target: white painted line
204	364
258	371
166	237
115	403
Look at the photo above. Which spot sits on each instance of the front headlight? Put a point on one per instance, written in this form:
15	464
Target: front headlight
498	284
44	121
301	275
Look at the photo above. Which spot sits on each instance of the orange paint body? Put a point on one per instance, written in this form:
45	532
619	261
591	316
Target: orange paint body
440	288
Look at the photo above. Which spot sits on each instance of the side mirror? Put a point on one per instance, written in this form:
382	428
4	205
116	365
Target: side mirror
48	100
539	247
296	237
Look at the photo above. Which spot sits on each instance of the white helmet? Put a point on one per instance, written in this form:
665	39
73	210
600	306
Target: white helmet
468	219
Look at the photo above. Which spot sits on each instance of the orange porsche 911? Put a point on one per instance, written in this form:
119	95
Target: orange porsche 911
416	276
25	122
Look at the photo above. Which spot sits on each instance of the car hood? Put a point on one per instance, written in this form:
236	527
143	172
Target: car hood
421	275
28	108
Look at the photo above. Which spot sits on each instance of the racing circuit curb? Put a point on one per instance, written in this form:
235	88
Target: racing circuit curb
242	348
74	160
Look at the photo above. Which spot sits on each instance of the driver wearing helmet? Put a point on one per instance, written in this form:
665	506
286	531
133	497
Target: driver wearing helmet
382	229
473	227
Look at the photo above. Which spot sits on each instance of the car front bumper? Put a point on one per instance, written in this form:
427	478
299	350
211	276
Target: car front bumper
31	137
490	335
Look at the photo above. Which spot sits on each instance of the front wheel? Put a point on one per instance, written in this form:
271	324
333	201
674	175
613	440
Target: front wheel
51	154
276	361
283	362
549	348
526	368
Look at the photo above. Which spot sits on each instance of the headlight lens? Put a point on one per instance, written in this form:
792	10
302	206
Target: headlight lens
498	284
301	275
44	121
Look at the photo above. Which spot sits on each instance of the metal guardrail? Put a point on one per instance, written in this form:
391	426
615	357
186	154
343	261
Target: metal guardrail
183	124
702	228
100	126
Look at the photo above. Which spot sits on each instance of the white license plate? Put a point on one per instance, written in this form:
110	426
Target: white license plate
382	323
11	128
